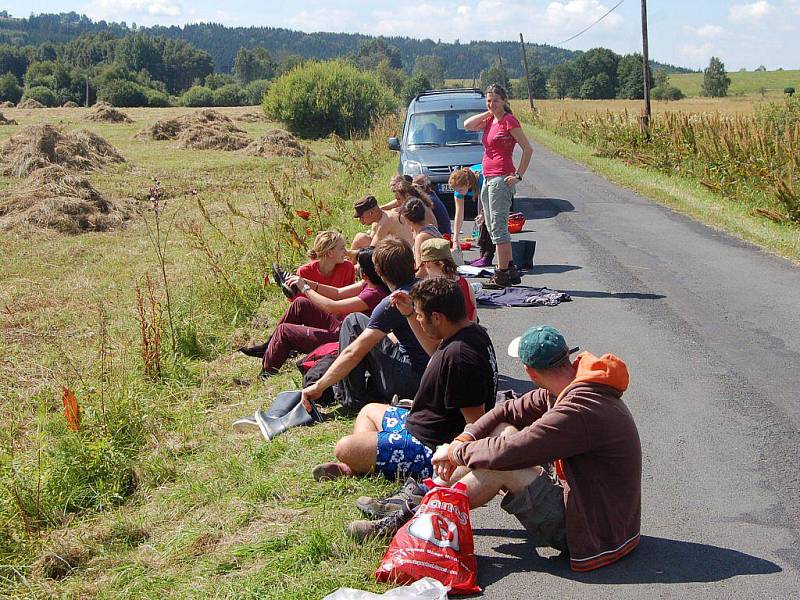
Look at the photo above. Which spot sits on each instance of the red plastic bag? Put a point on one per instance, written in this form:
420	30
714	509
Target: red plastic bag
436	542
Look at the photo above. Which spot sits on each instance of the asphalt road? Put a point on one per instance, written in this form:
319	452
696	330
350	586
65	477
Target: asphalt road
708	326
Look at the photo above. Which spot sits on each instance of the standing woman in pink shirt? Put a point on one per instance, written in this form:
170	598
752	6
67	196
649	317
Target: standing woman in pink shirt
501	132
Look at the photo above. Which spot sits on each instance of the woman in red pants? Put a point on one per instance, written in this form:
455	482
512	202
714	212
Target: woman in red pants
315	318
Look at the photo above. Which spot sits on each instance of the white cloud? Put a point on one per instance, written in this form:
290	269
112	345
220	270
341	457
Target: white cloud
739	13
705	31
577	14
152	8
696	53
324	19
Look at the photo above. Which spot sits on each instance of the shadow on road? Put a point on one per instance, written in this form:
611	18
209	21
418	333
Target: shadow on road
520	386
619	295
542	269
656	560
541	208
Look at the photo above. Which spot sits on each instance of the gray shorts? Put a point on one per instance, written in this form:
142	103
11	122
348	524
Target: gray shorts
540	509
496	198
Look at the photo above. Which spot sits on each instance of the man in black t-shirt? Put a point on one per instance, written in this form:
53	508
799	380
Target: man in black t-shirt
458	386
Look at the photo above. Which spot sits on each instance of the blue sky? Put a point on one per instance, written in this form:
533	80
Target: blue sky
683	32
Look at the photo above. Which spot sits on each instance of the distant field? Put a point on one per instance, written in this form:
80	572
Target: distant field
742	83
550	109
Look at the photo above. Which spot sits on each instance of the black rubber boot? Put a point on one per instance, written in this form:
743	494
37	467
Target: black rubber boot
255	351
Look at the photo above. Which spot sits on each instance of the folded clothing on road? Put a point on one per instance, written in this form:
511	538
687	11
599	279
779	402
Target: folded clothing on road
522	295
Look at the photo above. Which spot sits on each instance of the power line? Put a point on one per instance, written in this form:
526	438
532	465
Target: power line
569	39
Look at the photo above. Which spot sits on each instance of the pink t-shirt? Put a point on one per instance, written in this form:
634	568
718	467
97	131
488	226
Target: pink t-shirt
372	297
498	146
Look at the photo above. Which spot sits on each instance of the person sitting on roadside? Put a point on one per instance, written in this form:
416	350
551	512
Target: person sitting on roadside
328	264
383	223
404	190
315	318
423	184
413	212
370	366
458	386
436	260
576	419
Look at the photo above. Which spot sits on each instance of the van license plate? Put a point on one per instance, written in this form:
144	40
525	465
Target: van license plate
444	187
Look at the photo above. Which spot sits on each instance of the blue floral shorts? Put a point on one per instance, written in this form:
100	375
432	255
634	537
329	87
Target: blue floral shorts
400	454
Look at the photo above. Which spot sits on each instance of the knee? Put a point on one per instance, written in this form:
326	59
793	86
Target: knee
503	429
344	450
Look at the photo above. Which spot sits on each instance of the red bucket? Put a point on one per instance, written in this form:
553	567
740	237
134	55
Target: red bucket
516	221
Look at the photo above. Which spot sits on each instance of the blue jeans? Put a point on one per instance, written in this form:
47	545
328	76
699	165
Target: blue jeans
385	370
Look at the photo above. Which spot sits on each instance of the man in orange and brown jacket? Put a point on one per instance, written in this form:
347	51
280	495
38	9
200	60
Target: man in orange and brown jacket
576	419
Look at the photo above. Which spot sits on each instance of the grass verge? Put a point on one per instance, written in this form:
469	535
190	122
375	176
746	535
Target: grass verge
681	194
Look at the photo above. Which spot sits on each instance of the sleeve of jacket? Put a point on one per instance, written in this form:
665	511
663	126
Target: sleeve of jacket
560	433
519	412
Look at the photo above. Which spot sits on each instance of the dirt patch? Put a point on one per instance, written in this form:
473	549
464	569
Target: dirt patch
31	103
69	104
251	117
60	558
276	142
4	121
55	198
39	146
204	130
7	104
105	113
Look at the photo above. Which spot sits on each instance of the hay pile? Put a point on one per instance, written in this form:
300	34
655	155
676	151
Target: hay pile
252	117
51	195
4	121
30	103
204	130
69	104
104	112
276	142
54	198
38	146
7	104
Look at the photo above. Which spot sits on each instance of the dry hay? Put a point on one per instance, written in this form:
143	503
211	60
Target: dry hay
205	130
54	198
7	104
39	146
69	104
251	117
4	121
104	112
276	142
30	103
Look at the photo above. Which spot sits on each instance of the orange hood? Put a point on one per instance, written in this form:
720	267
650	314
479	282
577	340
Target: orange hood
607	370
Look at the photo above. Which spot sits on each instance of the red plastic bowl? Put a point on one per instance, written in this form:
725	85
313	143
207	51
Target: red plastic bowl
516	225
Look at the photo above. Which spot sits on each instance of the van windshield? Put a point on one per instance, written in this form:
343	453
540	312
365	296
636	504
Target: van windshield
445	128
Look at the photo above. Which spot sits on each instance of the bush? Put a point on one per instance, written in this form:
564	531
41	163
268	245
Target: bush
119	92
253	92
789	91
156	99
228	95
9	88
667	92
414	85
320	98
198	96
41	94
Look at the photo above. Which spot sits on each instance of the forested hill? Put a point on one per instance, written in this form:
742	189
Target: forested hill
461	61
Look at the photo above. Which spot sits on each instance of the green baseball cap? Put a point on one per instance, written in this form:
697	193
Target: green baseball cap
540	347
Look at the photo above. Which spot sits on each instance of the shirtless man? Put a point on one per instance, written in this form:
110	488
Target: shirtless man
384	224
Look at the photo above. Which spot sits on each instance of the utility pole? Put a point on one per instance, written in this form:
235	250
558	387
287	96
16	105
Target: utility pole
527	73
645	68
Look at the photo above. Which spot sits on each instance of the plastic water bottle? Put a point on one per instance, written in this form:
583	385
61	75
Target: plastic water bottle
476	232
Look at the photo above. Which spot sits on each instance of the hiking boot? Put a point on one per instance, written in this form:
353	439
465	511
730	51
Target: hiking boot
513	274
331	470
255	351
279	275
385	527
501	280
410	494
482	261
